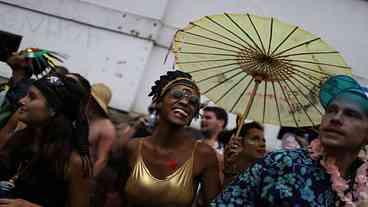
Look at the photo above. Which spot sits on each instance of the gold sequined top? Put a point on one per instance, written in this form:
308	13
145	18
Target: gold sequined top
142	189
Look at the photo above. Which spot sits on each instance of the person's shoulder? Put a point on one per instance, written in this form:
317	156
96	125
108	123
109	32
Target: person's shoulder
105	123
206	152
132	145
105	128
203	148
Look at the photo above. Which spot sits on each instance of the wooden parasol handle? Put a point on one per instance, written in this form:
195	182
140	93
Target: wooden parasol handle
244	115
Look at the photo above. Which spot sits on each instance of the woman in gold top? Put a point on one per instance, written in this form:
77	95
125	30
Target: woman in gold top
164	169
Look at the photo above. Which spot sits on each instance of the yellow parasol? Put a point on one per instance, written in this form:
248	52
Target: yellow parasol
260	67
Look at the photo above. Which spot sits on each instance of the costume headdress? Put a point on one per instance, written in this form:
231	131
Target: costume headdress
40	62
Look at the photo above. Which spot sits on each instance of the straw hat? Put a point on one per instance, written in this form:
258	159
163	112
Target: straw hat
102	94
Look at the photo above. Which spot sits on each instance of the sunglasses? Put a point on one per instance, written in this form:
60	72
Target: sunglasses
178	94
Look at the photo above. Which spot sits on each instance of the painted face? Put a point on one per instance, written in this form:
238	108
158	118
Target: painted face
344	125
254	144
209	122
33	108
180	104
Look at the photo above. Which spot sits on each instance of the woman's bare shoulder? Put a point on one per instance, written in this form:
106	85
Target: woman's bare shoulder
206	152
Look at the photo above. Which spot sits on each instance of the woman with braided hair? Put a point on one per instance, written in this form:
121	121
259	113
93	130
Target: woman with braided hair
164	169
47	163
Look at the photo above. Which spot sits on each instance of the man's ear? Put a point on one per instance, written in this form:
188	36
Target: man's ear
221	124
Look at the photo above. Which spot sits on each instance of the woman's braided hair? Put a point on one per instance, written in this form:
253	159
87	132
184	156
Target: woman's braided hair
161	87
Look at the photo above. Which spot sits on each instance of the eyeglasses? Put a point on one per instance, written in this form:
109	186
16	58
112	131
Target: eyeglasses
178	94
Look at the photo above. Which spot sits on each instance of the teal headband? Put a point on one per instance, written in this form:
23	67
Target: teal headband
343	86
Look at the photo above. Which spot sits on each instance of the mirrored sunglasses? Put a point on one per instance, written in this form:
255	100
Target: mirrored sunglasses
178	94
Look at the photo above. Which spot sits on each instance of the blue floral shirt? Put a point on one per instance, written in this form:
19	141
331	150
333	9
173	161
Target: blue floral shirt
282	178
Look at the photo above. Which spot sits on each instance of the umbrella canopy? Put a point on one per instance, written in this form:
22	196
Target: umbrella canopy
265	69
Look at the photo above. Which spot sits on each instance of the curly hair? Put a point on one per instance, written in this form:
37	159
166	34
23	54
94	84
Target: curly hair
167	81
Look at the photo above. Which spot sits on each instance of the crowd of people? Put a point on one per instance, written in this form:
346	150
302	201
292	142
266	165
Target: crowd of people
59	147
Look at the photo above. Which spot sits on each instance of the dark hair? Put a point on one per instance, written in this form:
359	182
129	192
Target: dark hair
64	132
81	135
219	112
61	70
225	135
157	90
246	127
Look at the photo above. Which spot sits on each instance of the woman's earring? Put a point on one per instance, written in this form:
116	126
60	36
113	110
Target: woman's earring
152	116
52	112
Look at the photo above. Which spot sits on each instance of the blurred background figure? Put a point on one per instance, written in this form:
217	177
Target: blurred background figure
213	121
137	127
241	152
293	138
102	132
102	135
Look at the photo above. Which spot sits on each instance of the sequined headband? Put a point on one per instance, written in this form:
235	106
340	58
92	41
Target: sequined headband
185	81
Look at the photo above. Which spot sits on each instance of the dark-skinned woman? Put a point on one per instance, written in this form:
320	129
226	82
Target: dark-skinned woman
164	169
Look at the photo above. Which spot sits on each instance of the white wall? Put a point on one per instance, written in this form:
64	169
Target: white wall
101	55
152	9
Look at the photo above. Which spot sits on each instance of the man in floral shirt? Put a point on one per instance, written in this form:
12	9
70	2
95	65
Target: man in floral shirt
330	173
282	178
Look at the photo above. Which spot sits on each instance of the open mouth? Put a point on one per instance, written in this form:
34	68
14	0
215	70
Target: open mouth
180	112
21	110
261	150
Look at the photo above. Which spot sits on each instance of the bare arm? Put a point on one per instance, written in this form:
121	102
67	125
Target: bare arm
16	203
79	183
123	138
210	174
106	139
231	155
9	127
126	153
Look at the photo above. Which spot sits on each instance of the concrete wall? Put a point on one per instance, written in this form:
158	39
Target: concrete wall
102	44
123	43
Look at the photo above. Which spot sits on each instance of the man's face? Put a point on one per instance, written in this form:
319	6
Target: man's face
210	123
344	125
